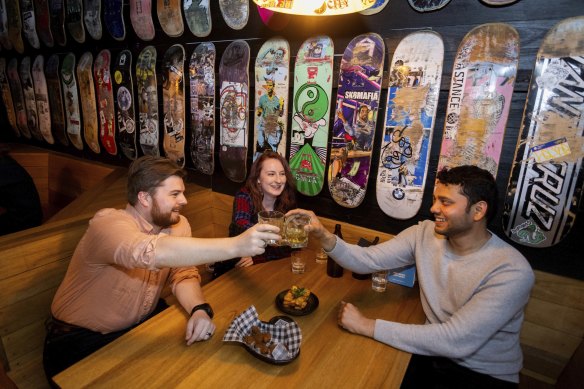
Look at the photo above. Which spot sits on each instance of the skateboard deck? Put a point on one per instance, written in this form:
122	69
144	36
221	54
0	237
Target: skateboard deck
313	80
4	38
56	99
327	8
105	101
412	101
57	11
170	17
74	19
499	2
202	83
376	7
271	97
235	13
43	22
126	117
356	116
92	18
29	23
546	182
428	5
114	19
71	96
173	103
141	19
198	17
29	100
14	25
7	98
480	97
17	98
233	109
88	107
148	101
42	98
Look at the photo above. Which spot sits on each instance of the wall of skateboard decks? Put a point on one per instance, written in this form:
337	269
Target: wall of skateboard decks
366	107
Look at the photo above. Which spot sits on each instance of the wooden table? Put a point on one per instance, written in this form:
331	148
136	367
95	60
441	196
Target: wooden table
155	354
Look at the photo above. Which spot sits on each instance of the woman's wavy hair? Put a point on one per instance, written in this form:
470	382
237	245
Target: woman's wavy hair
286	200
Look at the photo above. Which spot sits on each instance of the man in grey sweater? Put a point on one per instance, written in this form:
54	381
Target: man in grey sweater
473	288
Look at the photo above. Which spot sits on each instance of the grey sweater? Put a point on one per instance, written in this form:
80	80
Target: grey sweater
473	304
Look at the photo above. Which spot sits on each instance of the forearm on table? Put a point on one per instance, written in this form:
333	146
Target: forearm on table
180	252
189	293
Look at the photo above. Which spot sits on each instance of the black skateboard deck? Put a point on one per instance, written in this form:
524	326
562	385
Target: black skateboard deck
123	92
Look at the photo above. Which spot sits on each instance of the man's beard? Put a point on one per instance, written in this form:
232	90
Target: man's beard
161	219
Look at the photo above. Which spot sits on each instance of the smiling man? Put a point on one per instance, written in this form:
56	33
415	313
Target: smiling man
473	288
124	260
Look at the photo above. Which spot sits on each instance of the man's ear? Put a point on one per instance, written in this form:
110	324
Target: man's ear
479	210
144	199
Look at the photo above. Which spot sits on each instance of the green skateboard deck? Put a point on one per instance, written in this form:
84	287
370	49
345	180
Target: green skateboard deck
233	108
126	117
313	80
105	101
42	98
173	103
71	95
354	128
88	105
148	101
55	92
271	97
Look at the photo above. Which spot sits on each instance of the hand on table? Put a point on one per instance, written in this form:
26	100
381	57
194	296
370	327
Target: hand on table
199	327
351	319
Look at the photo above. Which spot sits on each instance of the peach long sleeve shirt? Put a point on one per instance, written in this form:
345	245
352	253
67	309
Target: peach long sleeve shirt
112	281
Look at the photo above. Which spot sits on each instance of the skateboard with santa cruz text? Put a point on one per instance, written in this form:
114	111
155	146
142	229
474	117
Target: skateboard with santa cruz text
547	178
105	101
233	110
313	80
357	107
88	105
55	93
147	101
124	94
42	98
71	97
173	103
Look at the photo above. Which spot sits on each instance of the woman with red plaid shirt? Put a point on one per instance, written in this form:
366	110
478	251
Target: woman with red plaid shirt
270	186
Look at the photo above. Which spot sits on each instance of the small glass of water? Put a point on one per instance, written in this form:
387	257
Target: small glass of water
379	281
298	262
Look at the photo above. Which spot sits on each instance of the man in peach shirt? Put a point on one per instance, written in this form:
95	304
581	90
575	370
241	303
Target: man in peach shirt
124	260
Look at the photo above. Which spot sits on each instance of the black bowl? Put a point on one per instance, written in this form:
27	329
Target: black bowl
312	304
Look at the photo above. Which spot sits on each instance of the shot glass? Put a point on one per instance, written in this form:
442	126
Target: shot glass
321	256
274	218
296	235
379	281
298	262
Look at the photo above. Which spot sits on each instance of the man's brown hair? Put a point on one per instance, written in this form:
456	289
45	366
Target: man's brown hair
147	172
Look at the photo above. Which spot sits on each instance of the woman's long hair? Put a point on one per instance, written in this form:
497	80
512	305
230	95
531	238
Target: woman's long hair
286	200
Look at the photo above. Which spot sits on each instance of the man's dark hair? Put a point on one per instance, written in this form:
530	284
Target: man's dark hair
476	185
147	172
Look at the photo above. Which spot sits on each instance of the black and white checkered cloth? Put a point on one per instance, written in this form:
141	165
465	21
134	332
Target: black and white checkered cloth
286	335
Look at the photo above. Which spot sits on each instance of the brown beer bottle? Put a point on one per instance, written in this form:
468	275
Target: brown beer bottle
333	269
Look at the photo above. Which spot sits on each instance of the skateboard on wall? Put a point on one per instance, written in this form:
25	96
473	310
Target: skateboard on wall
4	38
114	19
376	7
29	23
7	98
29	99
357	107
123	92
92	18
235	13
271	97
57	12
173	103
428	5
43	22
497	3
88	105
105	101
14	25
170	17
141	19
42	98
74	19
547	178
198	17
480	97
313	80
55	93
17	98
233	110
202	86
71	97
147	101
412	101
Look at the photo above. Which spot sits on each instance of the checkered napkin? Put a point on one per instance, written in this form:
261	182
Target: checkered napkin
287	336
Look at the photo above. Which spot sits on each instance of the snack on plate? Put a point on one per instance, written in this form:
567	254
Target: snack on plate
296	297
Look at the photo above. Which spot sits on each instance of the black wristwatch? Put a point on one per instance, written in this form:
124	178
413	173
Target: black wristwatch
205	307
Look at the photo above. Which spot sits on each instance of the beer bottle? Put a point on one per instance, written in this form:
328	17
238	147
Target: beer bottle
333	269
